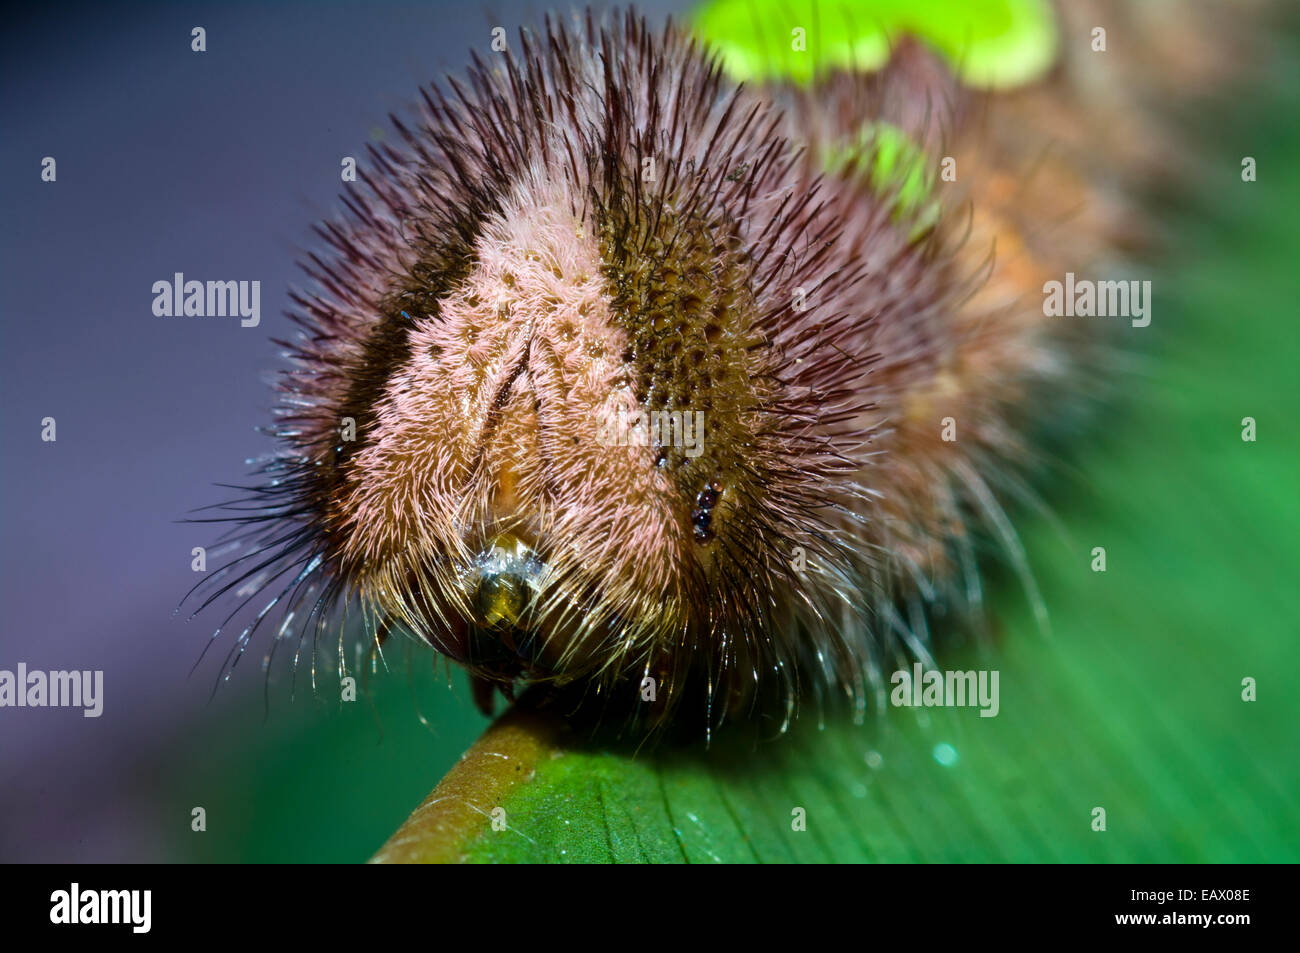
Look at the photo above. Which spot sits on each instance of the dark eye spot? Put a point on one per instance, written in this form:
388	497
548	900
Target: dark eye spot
702	515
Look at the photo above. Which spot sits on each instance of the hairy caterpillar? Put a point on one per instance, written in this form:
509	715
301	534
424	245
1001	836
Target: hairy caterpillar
838	377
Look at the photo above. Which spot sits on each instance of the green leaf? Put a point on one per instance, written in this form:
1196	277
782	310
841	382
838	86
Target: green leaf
990	43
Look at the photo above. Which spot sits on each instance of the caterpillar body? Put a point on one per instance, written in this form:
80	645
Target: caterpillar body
619	374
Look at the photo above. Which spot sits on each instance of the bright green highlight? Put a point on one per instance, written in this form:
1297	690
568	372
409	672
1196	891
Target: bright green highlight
896	168
989	43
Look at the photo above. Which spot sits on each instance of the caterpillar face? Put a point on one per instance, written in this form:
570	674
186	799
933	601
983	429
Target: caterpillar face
600	376
500	511
578	456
